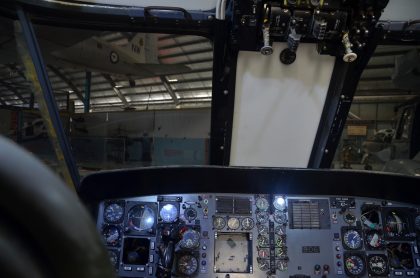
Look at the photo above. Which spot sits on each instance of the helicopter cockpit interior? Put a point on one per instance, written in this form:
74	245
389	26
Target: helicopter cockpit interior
283	77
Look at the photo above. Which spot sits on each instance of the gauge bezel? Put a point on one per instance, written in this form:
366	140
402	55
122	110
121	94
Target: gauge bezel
384	258
345	230
247	227
191	257
219	227
117	255
190	219
129	206
266	217
366	234
195	230
109	226
265	208
358	254
173	206
120	203
237	223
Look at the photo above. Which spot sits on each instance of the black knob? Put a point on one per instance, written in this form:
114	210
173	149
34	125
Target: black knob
287	56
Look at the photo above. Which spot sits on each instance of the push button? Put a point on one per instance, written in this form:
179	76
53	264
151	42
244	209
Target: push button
127	268
410	273
140	268
418	262
398	273
150	270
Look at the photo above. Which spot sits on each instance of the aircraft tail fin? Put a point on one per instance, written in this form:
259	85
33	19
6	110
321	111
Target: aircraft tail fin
142	48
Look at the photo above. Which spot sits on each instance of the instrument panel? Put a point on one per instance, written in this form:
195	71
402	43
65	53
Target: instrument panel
247	235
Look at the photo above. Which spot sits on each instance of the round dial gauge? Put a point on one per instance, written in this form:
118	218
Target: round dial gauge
187	265
374	240
262	230
190	239
247	223
280	230
141	218
354	265
377	265
113	213
281	265
168	213
262	241
111	235
349	218
262	203
263	253
281	252
190	214
279	203
263	265
219	223
233	223
262	217
280	241
280	217
352	239
113	257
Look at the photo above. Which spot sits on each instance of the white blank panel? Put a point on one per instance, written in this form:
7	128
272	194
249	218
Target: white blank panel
401	10
278	107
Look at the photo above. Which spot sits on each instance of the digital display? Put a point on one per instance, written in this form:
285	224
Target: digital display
136	251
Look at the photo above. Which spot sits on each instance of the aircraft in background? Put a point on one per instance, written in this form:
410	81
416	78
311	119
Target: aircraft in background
85	50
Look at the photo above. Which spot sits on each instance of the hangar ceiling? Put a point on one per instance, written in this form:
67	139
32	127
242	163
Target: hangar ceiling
182	91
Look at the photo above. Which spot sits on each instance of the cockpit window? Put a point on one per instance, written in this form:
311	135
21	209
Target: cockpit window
380	132
126	99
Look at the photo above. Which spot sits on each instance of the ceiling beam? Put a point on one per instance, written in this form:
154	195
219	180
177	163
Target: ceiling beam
181	44
198	51
68	82
169	90
13	90
116	90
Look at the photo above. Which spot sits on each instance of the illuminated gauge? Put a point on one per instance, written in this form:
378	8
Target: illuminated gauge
352	239
111	235
247	223
263	253
262	241
280	217
280	241
187	265
374	240
280	230
262	203
417	223
113	257
262	217
141	218
113	213
219	223
349	218
395	224
168	213
281	265
377	265
233	223
264	265
279	203
354	265
281	252
190	239
262	230
190	214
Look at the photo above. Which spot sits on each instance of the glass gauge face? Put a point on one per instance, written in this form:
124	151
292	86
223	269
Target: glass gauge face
262	203
262	217
141	218
280	241
113	257
280	230
280	217
279	203
247	223
262	241
190	239
111	235
374	240
352	239
233	223
187	265
190	214
349	218
263	253
377	265
113	213
263	265
281	252
262	230
219	223
168	213
354	265
281	265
